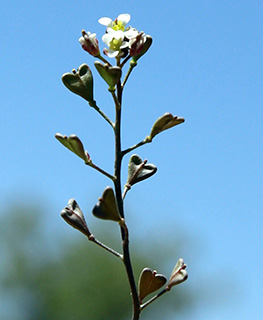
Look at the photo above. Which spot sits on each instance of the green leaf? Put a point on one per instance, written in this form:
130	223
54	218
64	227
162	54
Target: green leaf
106	208
80	82
138	170
149	282
74	144
165	122
111	75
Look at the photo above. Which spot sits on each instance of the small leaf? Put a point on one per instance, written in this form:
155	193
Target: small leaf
146	46
179	274
165	122
139	170
74	144
149	282
106	208
73	215
110	74
80	82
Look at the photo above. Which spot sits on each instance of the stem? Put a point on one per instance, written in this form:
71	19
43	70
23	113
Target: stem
125	60
139	144
104	60
102	245
94	105
127	76
118	192
154	298
91	164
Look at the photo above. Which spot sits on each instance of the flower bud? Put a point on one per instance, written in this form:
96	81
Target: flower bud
146	45
73	215
178	275
136	44
90	43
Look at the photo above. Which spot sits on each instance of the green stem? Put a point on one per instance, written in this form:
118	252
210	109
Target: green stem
154	298
102	245
118	192
91	164
103	59
141	143
127	76
94	105
125	60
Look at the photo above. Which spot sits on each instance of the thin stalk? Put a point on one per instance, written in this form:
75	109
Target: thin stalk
139	144
127	76
154	298
104	60
93	104
118	192
91	164
102	245
125	60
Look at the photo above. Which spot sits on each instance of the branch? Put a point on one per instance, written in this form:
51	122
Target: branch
102	245
154	298
139	144
127	76
94	105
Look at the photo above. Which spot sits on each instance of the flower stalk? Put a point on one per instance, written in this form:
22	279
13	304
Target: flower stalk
125	43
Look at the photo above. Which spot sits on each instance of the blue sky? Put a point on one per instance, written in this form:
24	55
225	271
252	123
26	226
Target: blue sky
205	65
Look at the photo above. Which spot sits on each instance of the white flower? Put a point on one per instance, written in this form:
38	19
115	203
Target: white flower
115	41
117	24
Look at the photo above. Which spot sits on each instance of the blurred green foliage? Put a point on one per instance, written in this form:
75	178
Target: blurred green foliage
46	276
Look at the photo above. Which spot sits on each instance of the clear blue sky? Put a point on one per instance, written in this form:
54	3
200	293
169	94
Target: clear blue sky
206	65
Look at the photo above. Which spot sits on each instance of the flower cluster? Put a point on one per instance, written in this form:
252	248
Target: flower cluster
120	39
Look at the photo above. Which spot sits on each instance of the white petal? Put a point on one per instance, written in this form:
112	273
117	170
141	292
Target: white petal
124	18
105	21
112	54
131	33
81	40
118	34
106	38
124	44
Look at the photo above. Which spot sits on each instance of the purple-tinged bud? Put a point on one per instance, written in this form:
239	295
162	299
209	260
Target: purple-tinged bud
90	43
136	44
73	215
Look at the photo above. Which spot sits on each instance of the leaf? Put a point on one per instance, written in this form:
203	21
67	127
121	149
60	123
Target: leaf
110	74
74	144
139	170
80	82
165	122
106	208
149	282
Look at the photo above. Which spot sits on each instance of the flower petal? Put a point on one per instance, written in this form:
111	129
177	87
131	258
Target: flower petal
105	21
124	18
